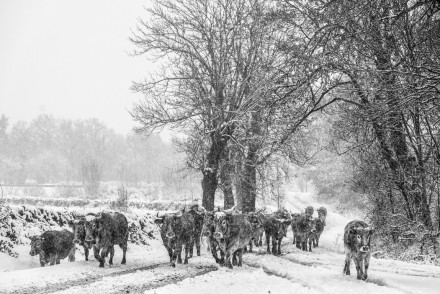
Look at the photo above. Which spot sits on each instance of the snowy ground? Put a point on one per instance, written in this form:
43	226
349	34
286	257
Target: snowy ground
294	271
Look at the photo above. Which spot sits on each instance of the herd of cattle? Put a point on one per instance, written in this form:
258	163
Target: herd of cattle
229	232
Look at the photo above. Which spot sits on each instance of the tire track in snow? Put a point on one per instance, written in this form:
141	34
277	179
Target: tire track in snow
321	279
82	281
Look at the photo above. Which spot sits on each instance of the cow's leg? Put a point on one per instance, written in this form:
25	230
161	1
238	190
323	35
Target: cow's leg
240	257
274	246
96	253
250	246
42	259
191	248
222	255
112	253
234	258
124	252
187	244
213	246
260	240
310	243
228	259
268	241
279	245
177	254
72	254
358	264
104	251
198	244
53	258
366	264
347	263
86	252
298	241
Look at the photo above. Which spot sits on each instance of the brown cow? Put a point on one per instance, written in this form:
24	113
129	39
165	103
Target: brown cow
357	243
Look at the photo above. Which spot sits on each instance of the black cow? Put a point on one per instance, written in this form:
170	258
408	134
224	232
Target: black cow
275	227
303	227
79	234
198	226
104	231
315	235
177	230
257	222
233	233
357	243
208	231
52	246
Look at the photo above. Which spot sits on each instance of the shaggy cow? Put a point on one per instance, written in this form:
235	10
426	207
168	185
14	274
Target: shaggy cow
52	246
304	226
233	233
275	227
79	234
177	230
357	239
315	235
208	231
104	231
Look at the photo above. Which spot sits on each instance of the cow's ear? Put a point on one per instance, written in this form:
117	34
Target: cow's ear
352	231
70	223
158	221
372	232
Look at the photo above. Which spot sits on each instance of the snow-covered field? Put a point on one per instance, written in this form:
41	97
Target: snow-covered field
294	271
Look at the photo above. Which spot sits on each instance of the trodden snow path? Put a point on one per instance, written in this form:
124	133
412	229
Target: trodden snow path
295	271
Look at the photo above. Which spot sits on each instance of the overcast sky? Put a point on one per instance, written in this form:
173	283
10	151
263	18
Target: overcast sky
69	58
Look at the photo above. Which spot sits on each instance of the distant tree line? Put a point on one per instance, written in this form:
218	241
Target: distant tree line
51	150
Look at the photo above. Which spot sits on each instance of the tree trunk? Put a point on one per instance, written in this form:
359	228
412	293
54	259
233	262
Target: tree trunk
226	173
249	182
210	180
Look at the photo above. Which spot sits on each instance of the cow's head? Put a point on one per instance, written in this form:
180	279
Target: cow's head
313	225
78	229
208	224
361	238
309	211
92	226
36	242
322	214
170	225
221	220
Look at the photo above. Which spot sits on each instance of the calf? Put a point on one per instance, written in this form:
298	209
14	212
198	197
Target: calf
357	239
104	231
177	230
315	235
52	246
233	233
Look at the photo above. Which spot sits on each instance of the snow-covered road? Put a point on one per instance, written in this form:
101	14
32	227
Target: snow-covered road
294	271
